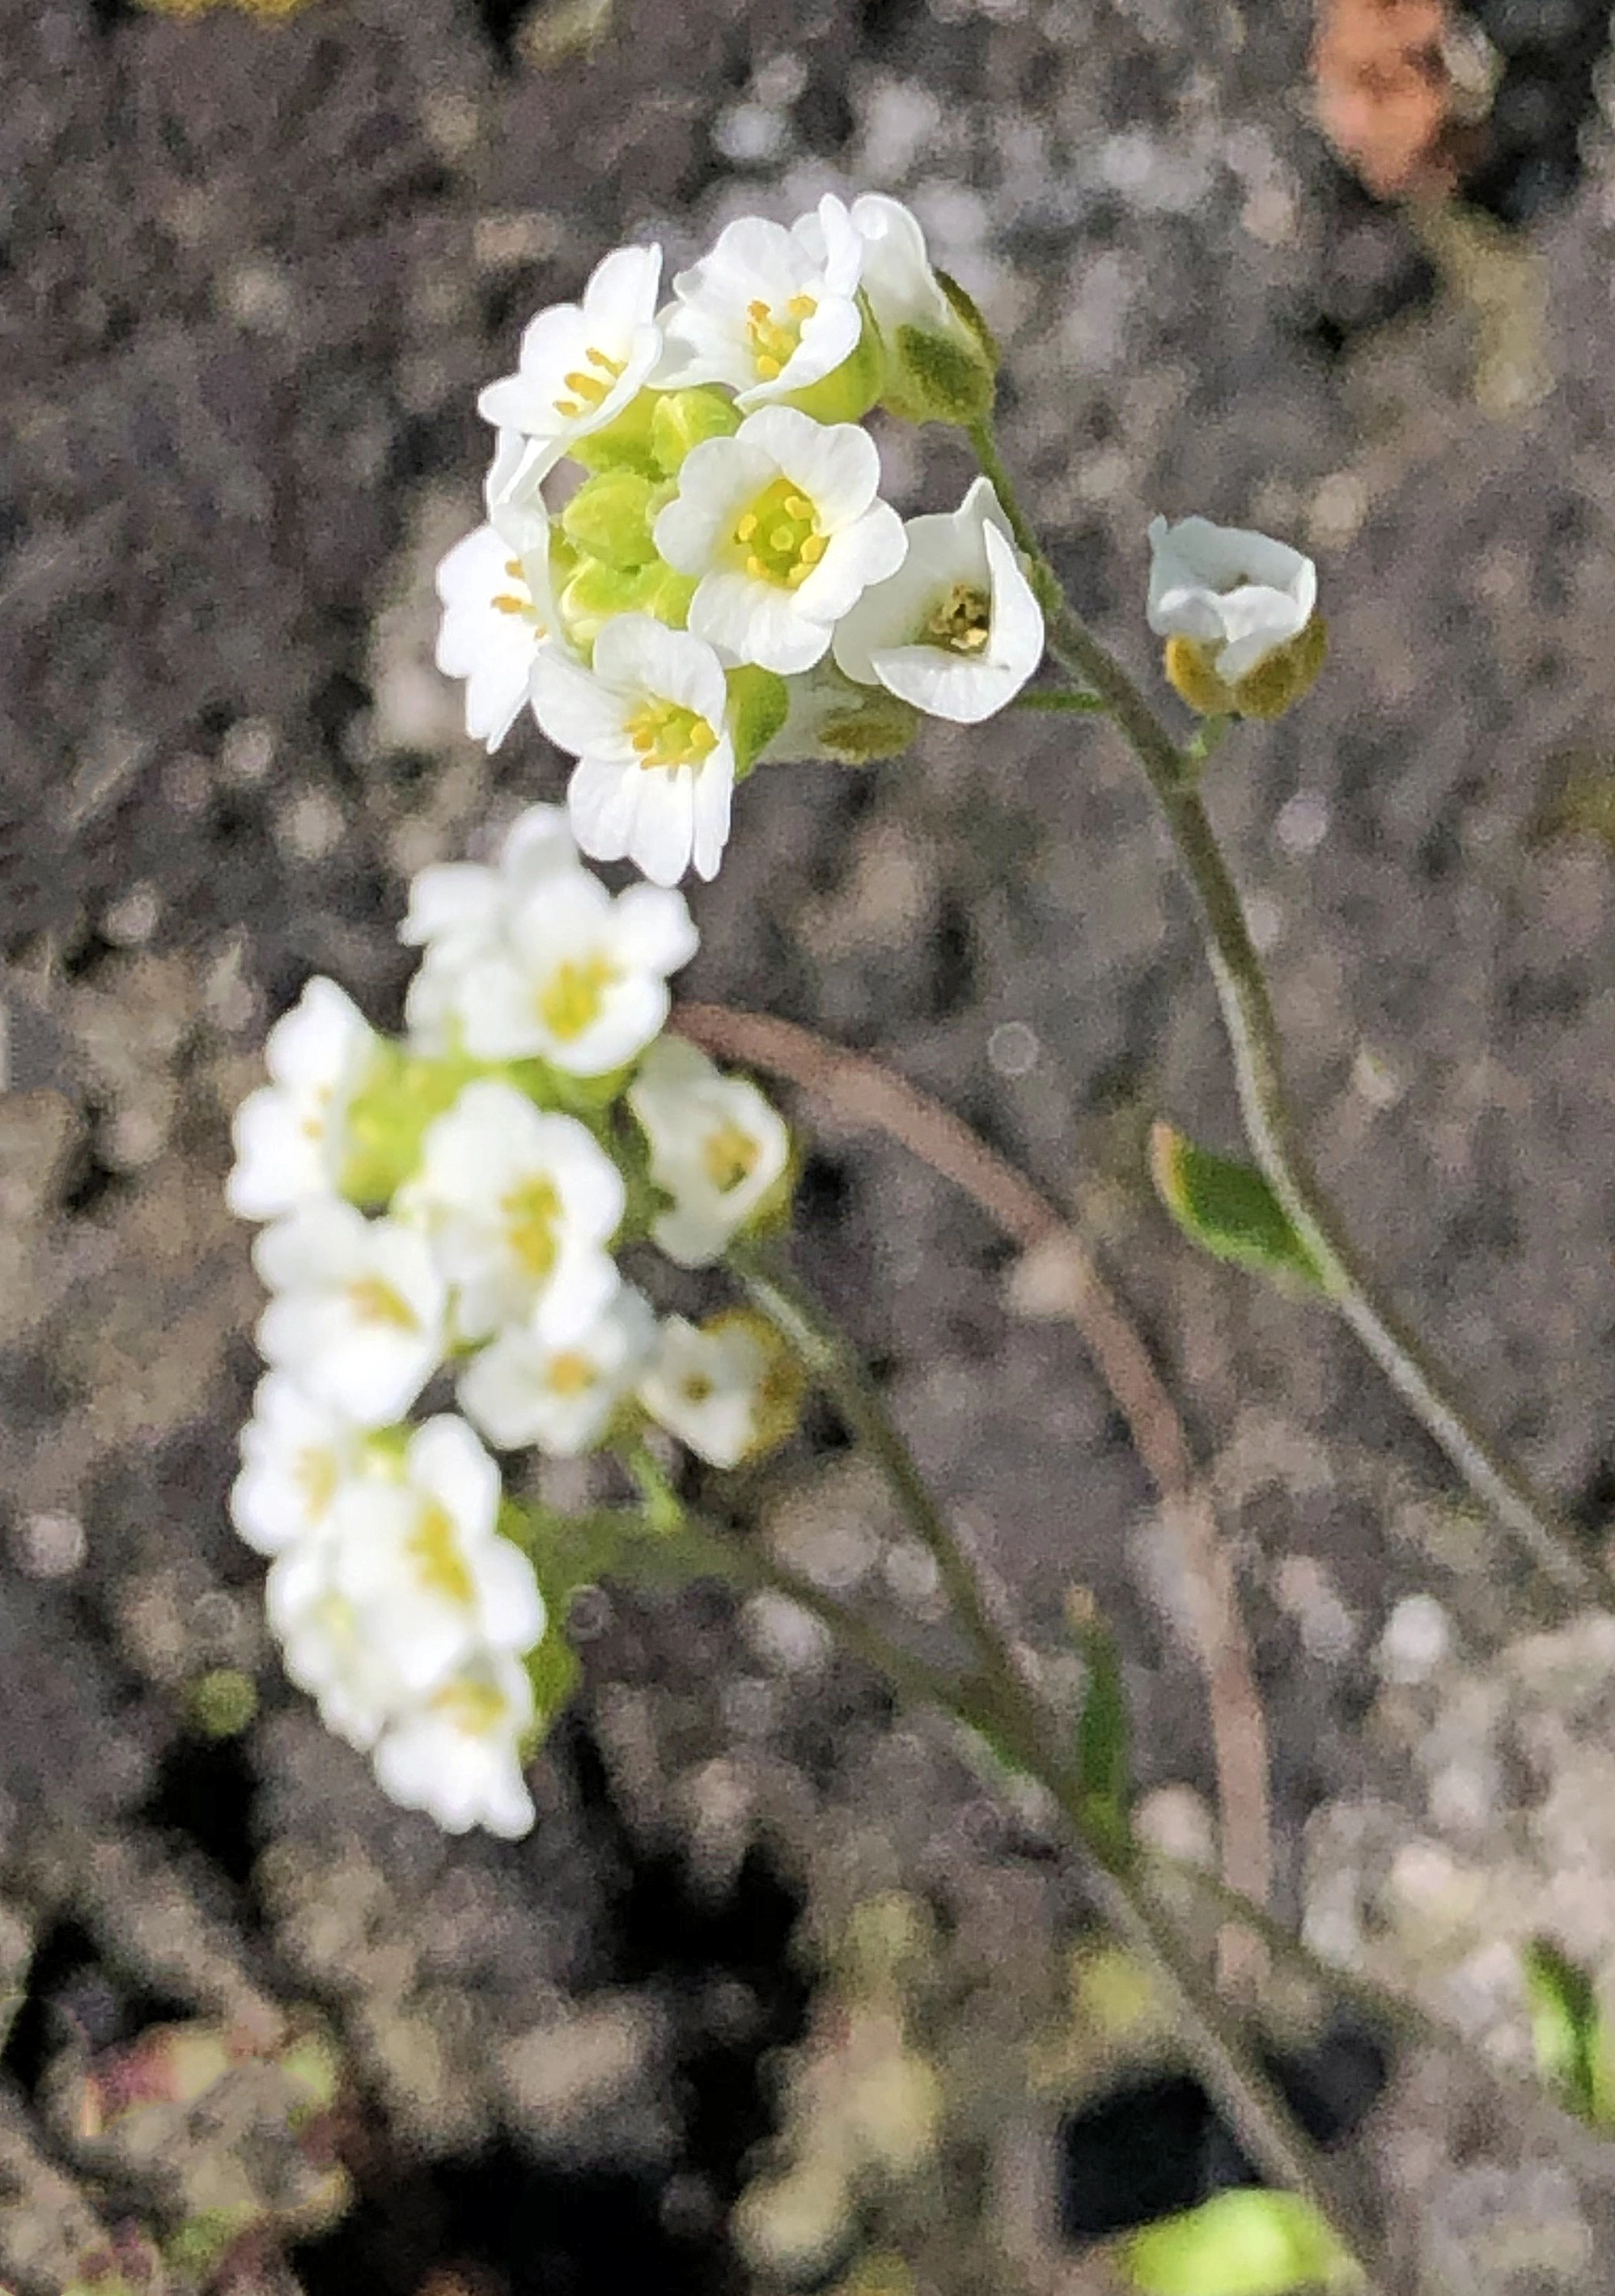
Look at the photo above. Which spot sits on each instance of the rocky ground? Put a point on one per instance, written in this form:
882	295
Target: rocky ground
254	275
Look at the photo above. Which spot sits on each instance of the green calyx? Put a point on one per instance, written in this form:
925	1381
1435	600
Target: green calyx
847	392
878	724
759	704
387	1117
598	592
682	419
611	516
942	373
1275	685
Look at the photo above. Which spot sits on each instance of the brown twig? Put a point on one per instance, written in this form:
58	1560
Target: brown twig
1058	1276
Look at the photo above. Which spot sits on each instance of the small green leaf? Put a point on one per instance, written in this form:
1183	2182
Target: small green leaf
1241	2243
1228	1209
1104	1729
1574	2052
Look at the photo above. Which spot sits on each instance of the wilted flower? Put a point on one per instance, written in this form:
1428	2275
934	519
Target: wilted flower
1238	612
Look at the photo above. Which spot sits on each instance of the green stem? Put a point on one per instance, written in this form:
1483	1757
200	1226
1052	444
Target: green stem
996	1703
1253	1035
1061	698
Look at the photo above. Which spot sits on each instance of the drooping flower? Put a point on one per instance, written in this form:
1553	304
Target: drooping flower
459	910
940	359
581	363
297	1455
519	1205
769	312
289	1134
726	1388
1239	613
649	724
717	1147
782	527
419	1556
357	1308
498	614
457	1755
524	1389
579	979
956	630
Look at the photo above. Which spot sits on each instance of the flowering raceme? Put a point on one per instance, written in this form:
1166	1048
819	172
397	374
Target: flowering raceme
714	536
456	1203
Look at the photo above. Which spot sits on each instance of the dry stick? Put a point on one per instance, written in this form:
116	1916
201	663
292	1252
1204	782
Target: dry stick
1062	1275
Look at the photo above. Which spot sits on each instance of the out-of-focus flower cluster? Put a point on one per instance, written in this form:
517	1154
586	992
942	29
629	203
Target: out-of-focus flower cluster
450	1207
687	567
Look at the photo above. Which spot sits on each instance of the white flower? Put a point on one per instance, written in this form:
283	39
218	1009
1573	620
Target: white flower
519	1206
581	363
710	1386
770	311
717	1147
648	724
289	1135
358	1310
956	630
329	1648
458	912
524	1389
579	979
902	289
297	1455
1239	595
457	1755
498	614
420	1558
783	526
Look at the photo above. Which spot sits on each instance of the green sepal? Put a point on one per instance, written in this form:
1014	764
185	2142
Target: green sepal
1228	1209
847	392
942	373
1104	1735
967	311
682	419
550	1087
759	704
1247	2243
623	444
611	516
403	1094
1570	2033
878	724
598	593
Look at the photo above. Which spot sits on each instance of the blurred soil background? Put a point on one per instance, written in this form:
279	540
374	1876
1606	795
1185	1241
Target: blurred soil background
782	1993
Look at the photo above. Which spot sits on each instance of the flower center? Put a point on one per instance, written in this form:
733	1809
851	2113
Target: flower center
588	389
434	1548
374	1300
570	1374
698	1387
316	1475
530	1213
778	536
774	338
961	620
519	600
729	1155
573	998
664	734
476	1708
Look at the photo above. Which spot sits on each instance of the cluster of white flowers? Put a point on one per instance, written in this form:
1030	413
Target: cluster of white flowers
453	1205
687	566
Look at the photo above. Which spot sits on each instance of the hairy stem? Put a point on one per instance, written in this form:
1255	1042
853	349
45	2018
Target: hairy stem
1253	1035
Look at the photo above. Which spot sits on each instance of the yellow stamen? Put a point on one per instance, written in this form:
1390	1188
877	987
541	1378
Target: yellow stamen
573	998
434	1547
530	1213
374	1300
316	1475
777	536
665	733
570	1374
961	620
728	1156
476	1708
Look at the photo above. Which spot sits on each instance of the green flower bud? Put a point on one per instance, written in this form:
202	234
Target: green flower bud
847	392
611	516
758	705
387	1118
626	443
681	419
597	593
1279	680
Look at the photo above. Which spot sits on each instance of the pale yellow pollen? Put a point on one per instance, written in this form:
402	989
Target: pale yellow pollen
774	337
778	536
961	620
315	1474
374	1300
728	1156
530	1213
698	1388
573	997
664	734
588	389
570	1374
747	527
434	1548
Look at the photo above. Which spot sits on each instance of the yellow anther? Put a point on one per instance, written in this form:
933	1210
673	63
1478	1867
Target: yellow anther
374	1300
729	1155
474	1707
813	549
665	735
767	368
601	359
434	1547
571	1374
512	566
801	306
505	605
757	311
747	527
755	568
530	1213
798	506
569	407
573	997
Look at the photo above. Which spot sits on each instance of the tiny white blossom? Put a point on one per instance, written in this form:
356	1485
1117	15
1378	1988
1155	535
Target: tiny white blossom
457	1755
297	1455
898	279
717	1147
783	528
329	1648
289	1135
648	722
519	1205
710	1386
769	311
358	1308
1240	596
421	1559
498	615
524	1389
580	979
458	912
581	363
956	630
